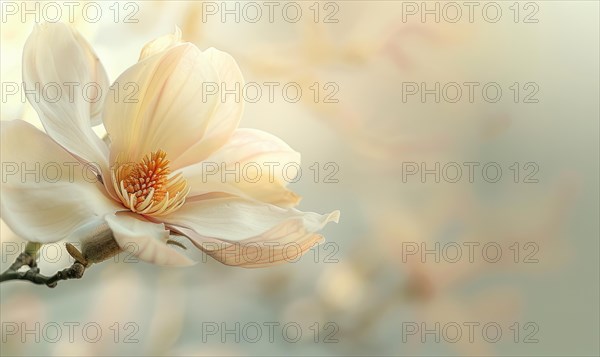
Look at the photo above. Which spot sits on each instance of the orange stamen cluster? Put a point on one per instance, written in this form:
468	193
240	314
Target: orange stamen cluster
145	187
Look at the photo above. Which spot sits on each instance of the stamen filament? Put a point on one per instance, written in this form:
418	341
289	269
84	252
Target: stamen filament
146	188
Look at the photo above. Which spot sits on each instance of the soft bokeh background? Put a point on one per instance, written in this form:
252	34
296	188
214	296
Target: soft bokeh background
357	287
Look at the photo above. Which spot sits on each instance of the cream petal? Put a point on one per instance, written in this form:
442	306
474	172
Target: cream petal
160	44
248	234
146	240
97	91
226	114
47	194
170	112
253	164
66	85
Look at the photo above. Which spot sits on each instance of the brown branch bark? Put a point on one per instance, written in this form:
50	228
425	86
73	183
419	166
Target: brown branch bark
33	274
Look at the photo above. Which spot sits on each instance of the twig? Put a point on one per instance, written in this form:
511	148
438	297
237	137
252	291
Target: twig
33	275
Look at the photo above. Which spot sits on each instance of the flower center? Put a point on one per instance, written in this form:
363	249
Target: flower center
145	187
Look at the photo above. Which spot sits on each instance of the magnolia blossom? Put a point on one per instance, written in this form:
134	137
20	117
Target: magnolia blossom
150	174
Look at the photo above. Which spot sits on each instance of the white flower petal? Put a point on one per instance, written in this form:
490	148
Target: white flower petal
96	92
226	114
160	44
66	84
46	193
170	111
146	240
253	164
248	234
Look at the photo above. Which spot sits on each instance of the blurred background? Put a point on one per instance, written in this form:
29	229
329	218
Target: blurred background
493	263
